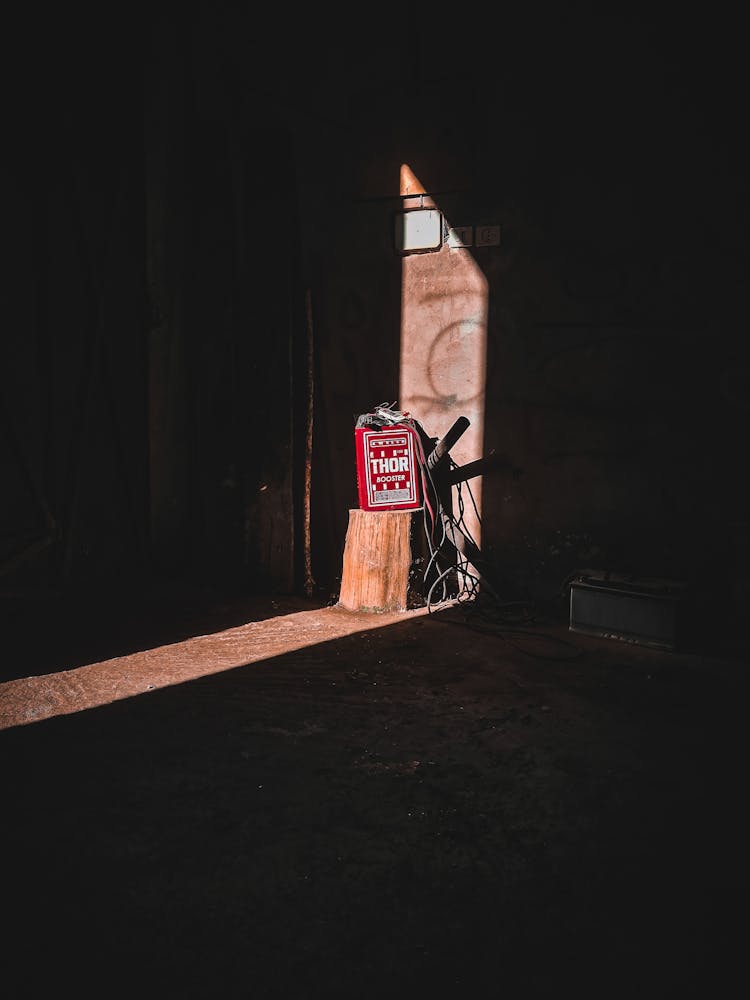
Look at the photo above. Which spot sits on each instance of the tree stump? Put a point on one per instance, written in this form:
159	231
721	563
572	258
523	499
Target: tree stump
377	559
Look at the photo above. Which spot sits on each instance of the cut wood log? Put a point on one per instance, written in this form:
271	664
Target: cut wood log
377	559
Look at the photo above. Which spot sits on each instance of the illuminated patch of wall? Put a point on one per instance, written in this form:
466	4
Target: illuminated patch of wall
443	329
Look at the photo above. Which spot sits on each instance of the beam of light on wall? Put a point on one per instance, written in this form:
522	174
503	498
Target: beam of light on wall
444	307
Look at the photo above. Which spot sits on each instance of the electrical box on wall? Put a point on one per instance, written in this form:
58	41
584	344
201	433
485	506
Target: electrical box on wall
419	230
387	471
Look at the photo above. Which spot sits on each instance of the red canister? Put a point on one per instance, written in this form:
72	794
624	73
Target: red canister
388	474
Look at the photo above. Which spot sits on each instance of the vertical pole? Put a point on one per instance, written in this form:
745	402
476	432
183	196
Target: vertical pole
309	582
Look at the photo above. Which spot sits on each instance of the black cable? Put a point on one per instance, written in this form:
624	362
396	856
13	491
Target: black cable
511	634
507	618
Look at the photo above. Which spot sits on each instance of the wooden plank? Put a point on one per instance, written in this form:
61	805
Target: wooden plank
377	558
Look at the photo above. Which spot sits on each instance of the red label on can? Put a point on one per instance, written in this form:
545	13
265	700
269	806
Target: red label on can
387	473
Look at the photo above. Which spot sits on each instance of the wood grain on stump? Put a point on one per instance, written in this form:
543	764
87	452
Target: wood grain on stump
377	559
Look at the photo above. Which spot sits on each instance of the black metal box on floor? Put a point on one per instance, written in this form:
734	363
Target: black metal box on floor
643	610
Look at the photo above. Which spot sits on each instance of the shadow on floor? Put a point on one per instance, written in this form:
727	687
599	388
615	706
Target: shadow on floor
417	810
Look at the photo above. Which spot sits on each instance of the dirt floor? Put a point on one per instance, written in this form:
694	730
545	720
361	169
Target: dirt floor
416	809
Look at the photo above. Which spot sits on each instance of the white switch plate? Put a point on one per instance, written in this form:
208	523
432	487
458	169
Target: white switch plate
488	236
460	236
